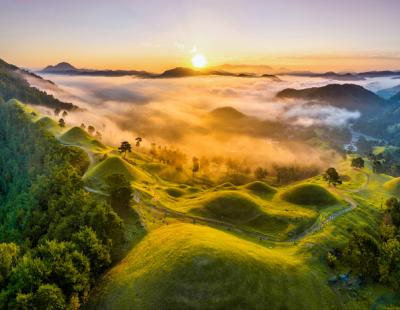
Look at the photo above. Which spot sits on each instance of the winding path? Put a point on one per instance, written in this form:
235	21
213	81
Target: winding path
318	225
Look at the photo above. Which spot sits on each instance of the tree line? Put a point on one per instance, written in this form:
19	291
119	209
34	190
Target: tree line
55	238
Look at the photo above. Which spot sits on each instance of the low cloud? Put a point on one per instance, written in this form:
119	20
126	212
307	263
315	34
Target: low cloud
173	112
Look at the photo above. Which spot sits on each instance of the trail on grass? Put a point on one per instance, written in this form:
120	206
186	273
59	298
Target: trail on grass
318	225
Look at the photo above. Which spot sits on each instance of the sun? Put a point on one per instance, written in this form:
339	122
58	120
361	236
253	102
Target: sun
199	61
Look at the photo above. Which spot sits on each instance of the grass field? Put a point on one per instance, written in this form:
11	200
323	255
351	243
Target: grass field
184	266
171	261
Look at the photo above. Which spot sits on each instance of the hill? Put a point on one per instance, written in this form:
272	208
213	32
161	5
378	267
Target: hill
330	75
260	189
309	194
62	66
14	85
114	165
184	266
68	69
349	96
387	93
77	136
393	186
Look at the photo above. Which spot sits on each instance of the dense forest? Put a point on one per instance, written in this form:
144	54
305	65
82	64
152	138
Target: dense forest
12	85
55	238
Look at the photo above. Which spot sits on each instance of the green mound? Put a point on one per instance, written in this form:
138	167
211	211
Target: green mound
114	165
47	123
77	136
260	188
175	192
309	194
233	206
184	266
393	186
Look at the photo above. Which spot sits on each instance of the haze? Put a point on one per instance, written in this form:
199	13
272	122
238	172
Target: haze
155	35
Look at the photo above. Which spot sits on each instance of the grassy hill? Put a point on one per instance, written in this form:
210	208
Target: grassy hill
393	186
114	165
309	194
184	266
77	136
260	189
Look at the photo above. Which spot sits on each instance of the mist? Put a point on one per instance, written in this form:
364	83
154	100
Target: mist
176	112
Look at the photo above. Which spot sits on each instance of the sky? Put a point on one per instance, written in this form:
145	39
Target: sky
341	35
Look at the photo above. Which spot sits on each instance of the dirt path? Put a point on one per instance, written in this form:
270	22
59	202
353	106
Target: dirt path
318	225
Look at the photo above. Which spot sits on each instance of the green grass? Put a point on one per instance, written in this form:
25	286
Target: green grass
260	189
232	206
115	165
393	186
184	266
49	124
309	194
77	136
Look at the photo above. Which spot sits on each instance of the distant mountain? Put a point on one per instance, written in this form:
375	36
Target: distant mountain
179	72
14	85
272	77
61	67
244	68
387	93
386	73
227	113
349	96
329	75
68	69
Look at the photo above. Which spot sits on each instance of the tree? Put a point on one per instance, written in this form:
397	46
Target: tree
120	191
357	162
49	296
332	176
91	129
57	111
389	263
125	147
83	126
98	254
61	122
260	173
138	141
64	114
98	135
196	165
8	258
393	210
363	253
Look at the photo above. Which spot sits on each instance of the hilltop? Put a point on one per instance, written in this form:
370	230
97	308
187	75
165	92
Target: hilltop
13	85
349	96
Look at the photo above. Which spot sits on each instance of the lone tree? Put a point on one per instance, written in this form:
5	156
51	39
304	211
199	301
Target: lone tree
332	176
260	173
138	141
357	162
91	129
125	147
64	114
120	191
61	123
196	165
83	126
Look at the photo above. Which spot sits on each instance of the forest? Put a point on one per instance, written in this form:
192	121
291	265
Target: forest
55	238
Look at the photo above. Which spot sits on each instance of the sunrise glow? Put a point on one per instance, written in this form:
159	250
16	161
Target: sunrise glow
199	61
